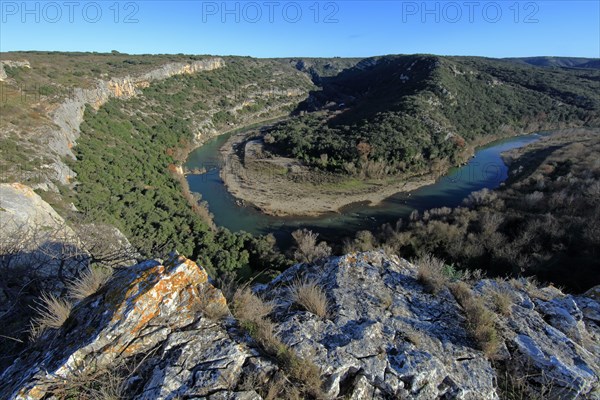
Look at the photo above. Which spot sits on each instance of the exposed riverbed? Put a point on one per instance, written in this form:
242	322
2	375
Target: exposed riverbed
485	170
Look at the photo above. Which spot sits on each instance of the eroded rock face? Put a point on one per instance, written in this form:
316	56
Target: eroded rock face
552	339
35	237
385	337
11	64
69	115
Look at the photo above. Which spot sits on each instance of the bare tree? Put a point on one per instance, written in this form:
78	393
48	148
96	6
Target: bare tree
307	248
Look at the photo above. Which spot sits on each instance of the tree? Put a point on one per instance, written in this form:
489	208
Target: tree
307	249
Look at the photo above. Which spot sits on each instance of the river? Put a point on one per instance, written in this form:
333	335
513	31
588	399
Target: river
485	170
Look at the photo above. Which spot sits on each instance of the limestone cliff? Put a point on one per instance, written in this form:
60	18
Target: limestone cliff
385	337
11	64
69	115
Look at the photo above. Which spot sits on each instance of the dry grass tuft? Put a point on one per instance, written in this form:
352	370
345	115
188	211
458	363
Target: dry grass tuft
412	335
216	311
227	283
275	388
246	306
310	296
279	388
88	282
52	314
502	300
209	303
106	383
513	386
305	376
480	320
385	299
431	273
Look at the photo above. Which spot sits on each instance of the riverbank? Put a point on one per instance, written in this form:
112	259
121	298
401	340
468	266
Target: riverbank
285	187
280	186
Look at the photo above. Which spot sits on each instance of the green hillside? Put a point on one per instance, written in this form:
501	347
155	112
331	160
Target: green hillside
403	112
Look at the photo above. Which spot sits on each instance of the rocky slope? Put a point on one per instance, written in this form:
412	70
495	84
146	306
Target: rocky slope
41	252
385	337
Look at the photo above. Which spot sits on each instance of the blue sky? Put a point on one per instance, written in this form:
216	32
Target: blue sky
305	28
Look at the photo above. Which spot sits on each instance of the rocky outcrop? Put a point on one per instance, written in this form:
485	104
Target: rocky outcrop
69	115
152	309
385	337
11	64
552	340
34	235
41	252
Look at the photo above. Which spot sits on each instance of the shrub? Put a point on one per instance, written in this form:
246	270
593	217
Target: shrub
88	282
52	313
310	296
431	273
307	249
363	241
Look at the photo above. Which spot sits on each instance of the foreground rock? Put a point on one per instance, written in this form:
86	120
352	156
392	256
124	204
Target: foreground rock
384	337
151	309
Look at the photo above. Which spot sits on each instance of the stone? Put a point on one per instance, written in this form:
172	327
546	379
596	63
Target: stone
385	337
36	236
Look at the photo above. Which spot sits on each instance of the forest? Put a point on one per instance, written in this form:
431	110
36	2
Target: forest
128	149
543	223
402	114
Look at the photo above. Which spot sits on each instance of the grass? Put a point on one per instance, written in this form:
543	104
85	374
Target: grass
513	387
309	296
246	306
89	382
88	282
502	300
480	320
347	184
276	388
431	273
103	384
209	305
304	376
385	300
52	314
412	335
